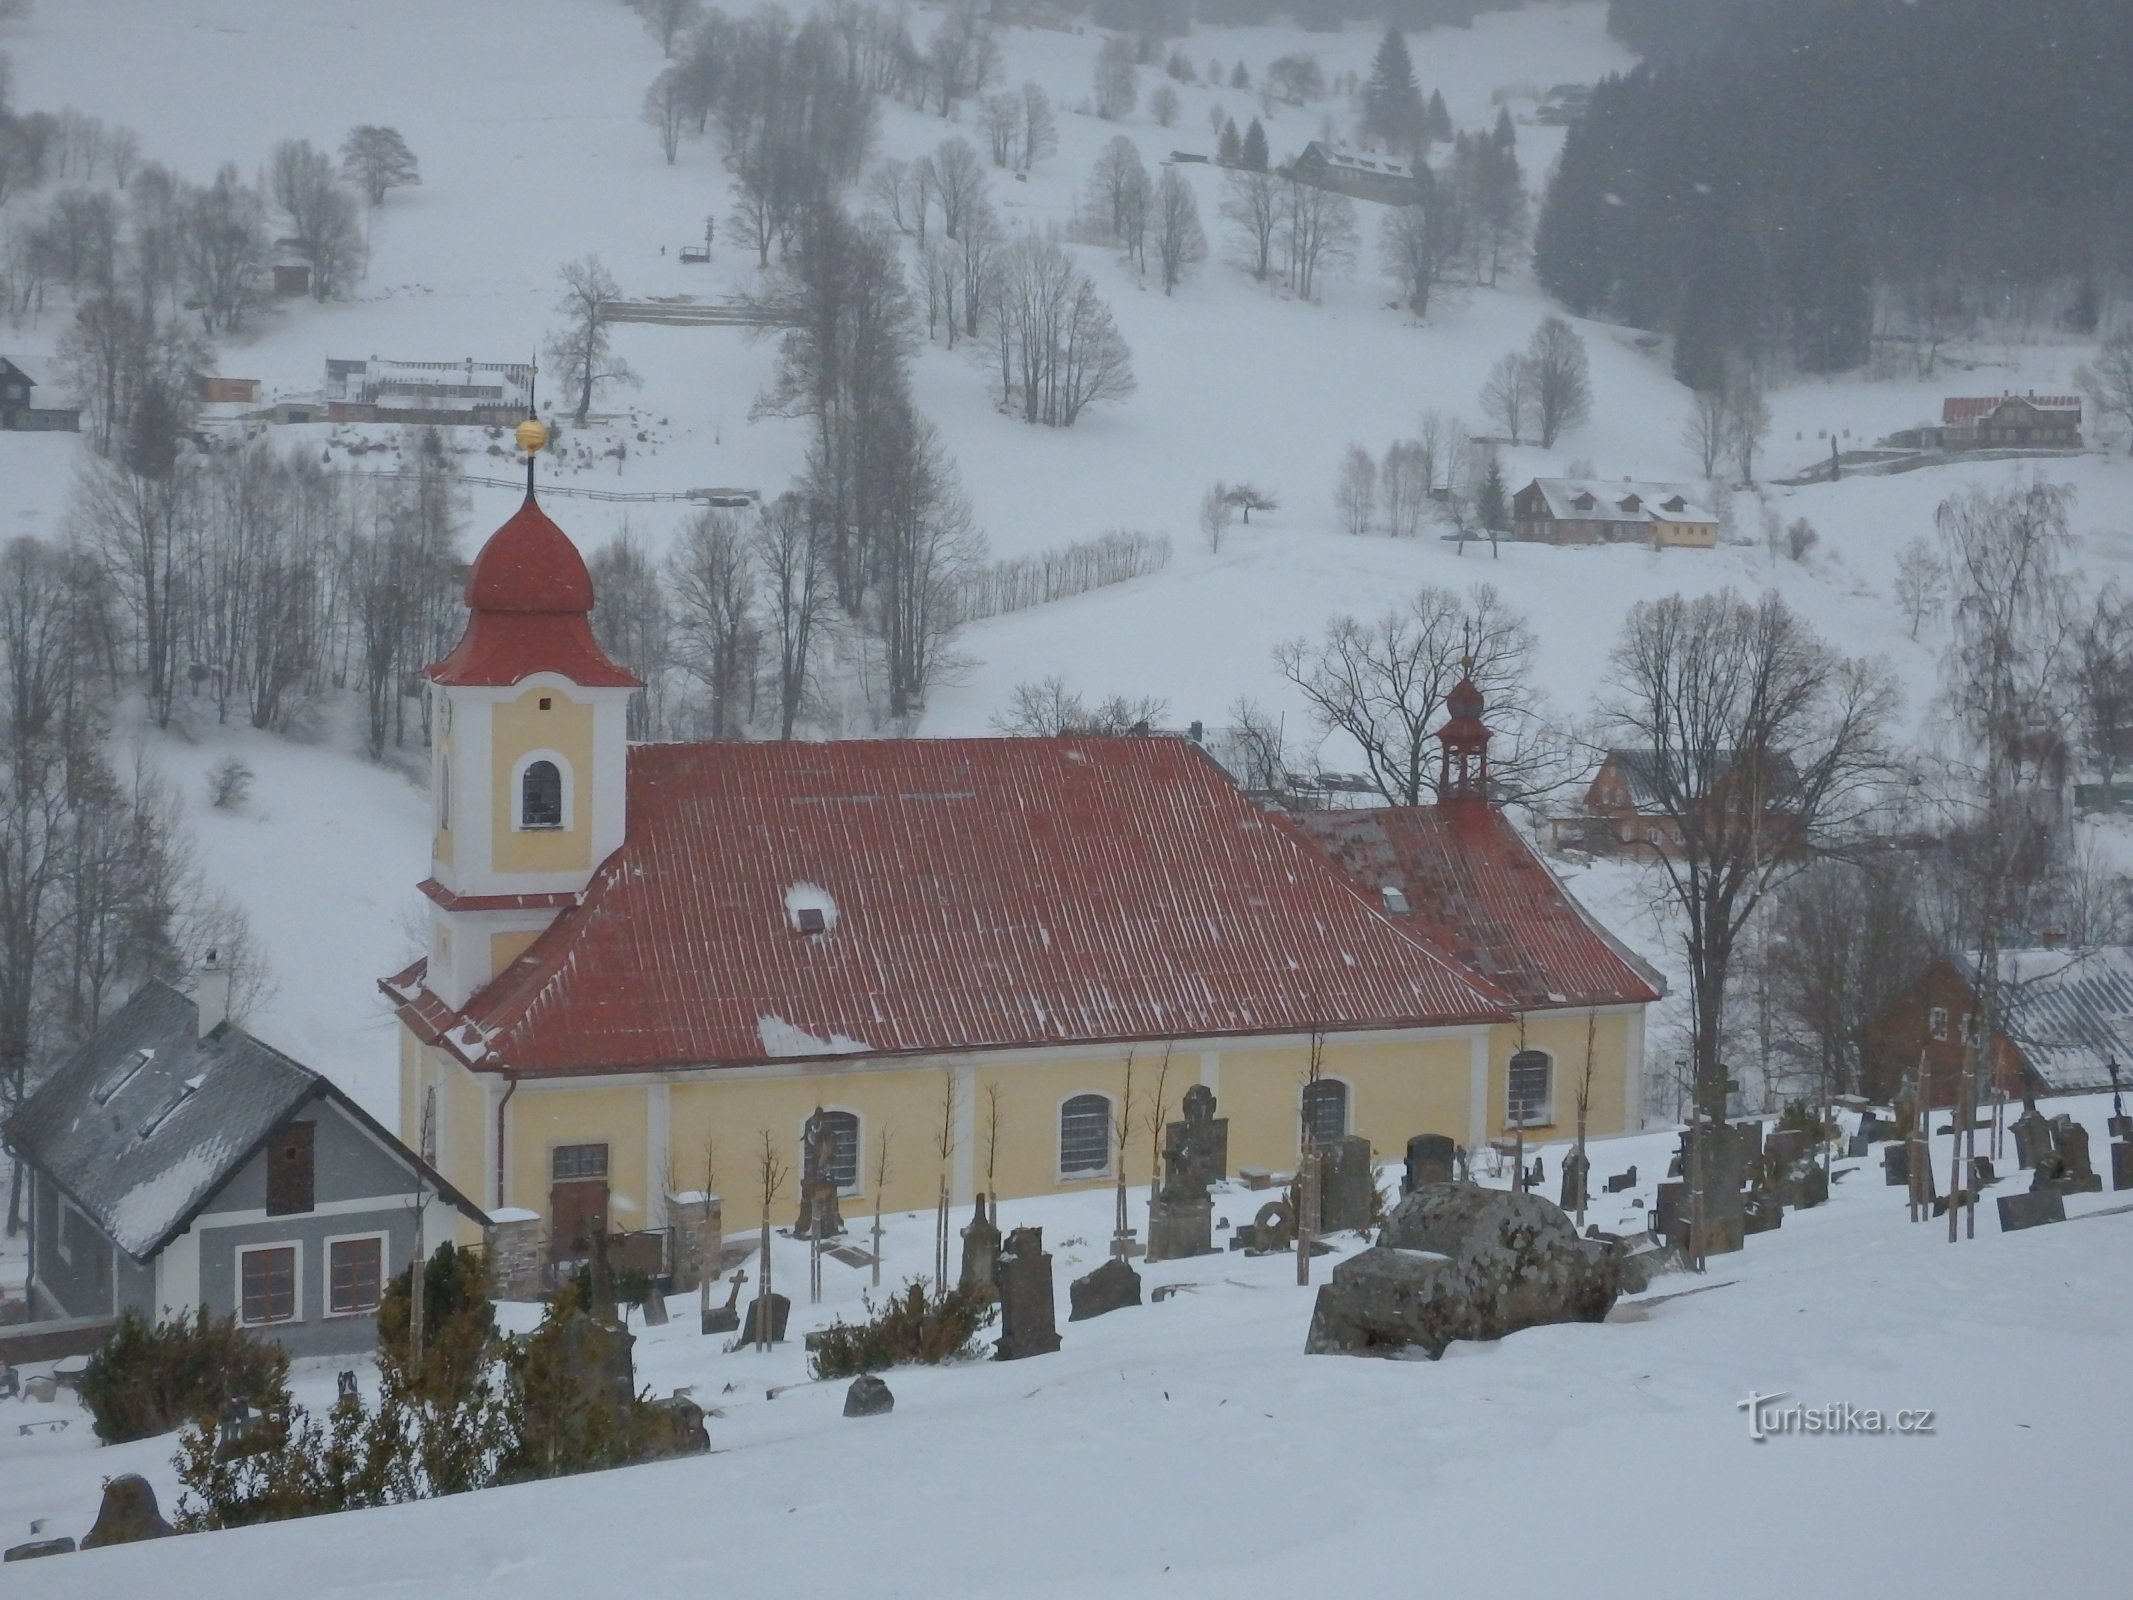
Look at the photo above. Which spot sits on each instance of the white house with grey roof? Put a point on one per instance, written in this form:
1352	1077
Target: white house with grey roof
178	1162
1594	511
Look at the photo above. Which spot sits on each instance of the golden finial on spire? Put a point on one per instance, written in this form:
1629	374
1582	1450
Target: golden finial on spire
532	436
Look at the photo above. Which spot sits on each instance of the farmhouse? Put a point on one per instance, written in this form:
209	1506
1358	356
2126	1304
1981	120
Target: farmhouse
1626	810
2068	1022
647	966
17	415
447	393
177	1161
1592	511
2030	421
1376	178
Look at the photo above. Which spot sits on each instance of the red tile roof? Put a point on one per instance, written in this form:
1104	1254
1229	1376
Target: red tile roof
1964	411
529	597
1478	891
977	893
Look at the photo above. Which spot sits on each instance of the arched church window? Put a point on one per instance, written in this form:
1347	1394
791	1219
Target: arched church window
1325	1110
1530	1088
1085	1136
540	796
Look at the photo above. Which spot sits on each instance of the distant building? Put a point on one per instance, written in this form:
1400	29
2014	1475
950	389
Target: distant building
1592	511
17	415
292	279
226	391
1375	178
2067	1014
450	393
2017	422
177	1162
1627	811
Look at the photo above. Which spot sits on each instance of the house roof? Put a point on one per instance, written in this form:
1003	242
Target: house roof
1474	888
1640	774
1966	410
148	1120
1366	166
974	894
2071	1011
1653	501
7	366
529	599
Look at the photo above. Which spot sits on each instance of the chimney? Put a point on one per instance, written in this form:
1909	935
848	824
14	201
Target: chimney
211	992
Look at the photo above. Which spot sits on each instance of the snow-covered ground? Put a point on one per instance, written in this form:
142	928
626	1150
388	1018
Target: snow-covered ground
1190	1448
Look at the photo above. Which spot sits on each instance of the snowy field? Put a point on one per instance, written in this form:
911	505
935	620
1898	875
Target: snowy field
1191	1449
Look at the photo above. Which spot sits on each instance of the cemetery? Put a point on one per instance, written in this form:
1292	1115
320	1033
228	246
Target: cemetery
1427	1252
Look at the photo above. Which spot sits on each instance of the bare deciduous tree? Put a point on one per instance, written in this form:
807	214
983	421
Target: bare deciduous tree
1507	398
1355	493
1180	246
376	159
711	578
1251	204
583	349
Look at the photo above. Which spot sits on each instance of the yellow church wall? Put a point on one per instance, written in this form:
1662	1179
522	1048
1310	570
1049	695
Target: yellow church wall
1031	1094
1397	1087
727	1117
540	1117
505	948
518	726
441	840
1562	1036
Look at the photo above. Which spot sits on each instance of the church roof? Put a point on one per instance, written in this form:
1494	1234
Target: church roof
1474	888
795	900
529	597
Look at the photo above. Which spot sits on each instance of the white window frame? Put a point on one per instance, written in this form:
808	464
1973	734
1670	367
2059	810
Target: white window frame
1937	1022
859	1152
385	1270
296	1282
1545	1116
518	792
1347	1104
60	1242
1110	1166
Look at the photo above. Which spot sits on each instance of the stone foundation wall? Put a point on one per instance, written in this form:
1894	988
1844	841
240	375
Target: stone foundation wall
514	1245
699	1234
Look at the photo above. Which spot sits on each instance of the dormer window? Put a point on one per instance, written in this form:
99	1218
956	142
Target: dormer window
1395	900
809	919
1584	502
540	795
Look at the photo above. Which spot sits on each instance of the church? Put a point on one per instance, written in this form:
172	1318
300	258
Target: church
646	960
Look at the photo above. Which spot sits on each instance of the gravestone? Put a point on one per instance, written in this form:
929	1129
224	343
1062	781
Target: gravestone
1195	1150
685	1433
655	1309
2122	1164
868	1397
1431	1158
2032	1132
2078	1175
1538	1175
1111	1287
1023	1277
597	1355
1981	1173
1180	1228
1622	1181
43	1388
2119	1127
1347	1185
1273	1230
128	1515
779	1310
1575	1167
1784	1147
1860	1143
725	1318
981	1248
10	1382
1896	1165
36	1548
2031	1210
1761	1214
1874	1126
1805	1187
344	1388
1750	1135
819	1216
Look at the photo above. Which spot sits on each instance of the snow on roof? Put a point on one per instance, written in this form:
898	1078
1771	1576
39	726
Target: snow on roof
1962	411
1348	161
1598	500
2071	1011
990	893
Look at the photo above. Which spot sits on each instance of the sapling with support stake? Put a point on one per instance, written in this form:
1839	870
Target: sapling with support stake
772	1171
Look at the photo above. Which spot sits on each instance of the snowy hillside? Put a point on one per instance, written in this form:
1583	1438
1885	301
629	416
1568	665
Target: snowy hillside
525	118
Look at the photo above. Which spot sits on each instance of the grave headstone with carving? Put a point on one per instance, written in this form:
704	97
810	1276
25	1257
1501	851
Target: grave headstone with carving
1896	1165
1111	1287
1431	1158
981	1248
2033	1141
1347	1185
819	1217
1273	1229
725	1318
1575	1167
1201	1145
2077	1175
1023	1276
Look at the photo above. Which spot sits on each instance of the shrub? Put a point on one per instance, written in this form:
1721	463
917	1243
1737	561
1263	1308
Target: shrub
458	1322
148	1379
563	1415
229	784
915	1326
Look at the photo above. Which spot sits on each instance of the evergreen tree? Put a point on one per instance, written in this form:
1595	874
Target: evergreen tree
1493	504
1392	100
1255	156
1440	119
1506	134
1230	148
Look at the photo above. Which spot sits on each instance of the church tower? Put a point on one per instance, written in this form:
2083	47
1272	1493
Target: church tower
528	750
1464	776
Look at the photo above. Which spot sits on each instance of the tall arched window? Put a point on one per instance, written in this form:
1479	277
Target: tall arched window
1085	1136
1531	1087
540	795
1325	1110
844	1149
